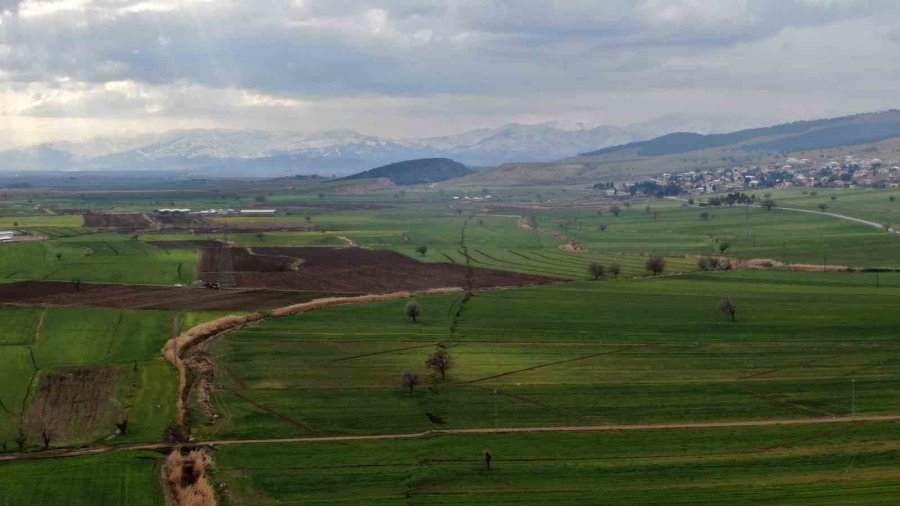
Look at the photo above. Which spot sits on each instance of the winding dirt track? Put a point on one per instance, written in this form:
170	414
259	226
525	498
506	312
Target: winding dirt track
499	430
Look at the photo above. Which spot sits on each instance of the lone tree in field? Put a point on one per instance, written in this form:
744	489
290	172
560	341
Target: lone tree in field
596	270
439	361
488	457
767	204
823	206
728	307
656	264
410	381
259	236
602	227
614	270
422	250
724	245
616	210
59	256
413	311
76	283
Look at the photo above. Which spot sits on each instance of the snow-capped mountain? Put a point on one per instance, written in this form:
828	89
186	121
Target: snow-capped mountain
339	151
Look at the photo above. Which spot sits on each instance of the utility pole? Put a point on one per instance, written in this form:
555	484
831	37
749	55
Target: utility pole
853	398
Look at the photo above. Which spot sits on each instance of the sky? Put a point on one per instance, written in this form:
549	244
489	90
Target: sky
75	69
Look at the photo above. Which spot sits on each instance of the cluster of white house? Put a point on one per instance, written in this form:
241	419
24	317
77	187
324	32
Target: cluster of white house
219	212
6	235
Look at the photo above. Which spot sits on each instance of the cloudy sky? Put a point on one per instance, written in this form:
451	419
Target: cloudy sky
72	69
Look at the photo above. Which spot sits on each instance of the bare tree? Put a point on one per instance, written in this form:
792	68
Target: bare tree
122	424
614	270
702	264
439	361
413	311
596	270
42	420
728	307
410	381
422	250
656	264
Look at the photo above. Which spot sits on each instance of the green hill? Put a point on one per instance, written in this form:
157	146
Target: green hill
424	170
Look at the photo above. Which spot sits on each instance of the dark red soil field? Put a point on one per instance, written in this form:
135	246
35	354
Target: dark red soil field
55	293
350	270
187	244
132	221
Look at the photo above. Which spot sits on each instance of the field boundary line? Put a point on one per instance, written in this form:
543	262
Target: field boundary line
384	352
558	362
272	412
797	365
785	402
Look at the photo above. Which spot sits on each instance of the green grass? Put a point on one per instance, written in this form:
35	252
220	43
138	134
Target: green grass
839	464
121	478
627	351
114	260
127	340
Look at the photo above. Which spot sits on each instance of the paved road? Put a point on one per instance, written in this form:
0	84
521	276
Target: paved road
500	430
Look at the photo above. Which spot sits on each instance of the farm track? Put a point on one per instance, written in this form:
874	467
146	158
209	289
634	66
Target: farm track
861	221
437	432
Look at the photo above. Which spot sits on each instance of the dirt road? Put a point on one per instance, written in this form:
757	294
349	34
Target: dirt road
861	221
499	430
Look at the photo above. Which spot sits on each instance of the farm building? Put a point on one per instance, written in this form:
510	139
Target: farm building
258	212
6	235
171	211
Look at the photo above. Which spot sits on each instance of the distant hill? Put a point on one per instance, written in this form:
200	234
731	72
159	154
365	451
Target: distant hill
876	134
423	170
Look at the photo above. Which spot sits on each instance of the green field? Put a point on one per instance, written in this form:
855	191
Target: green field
116	479
615	352
773	465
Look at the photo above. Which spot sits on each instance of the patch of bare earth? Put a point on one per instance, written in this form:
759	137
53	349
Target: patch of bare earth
74	404
56	293
573	247
351	270
125	221
768	263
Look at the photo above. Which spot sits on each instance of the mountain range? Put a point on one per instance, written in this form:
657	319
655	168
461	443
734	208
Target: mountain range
339	152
